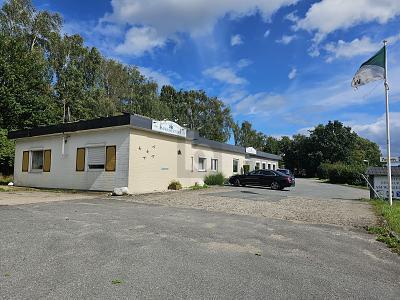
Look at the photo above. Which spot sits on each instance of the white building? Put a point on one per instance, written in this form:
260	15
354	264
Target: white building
131	151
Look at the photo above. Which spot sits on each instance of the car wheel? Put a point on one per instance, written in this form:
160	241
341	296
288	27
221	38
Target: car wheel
237	182
275	186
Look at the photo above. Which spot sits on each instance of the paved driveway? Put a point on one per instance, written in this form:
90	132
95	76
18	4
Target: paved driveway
76	248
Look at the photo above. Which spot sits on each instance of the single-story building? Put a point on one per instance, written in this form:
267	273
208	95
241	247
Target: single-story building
378	178
128	150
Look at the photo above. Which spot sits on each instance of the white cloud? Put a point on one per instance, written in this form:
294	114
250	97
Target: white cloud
163	20
292	74
286	39
356	47
224	74
267	33
265	104
236	40
328	16
292	17
243	63
157	76
140	40
376	131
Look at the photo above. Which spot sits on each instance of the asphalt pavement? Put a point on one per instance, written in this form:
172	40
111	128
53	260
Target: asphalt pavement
113	249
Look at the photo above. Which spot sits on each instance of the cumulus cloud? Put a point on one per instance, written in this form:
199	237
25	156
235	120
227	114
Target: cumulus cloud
224	74
236	40
139	40
292	17
328	16
163	20
363	46
286	39
292	74
267	33
376	131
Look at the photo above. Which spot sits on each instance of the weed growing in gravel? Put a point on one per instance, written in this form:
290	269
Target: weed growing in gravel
116	281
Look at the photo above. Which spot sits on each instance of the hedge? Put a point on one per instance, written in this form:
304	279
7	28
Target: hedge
342	173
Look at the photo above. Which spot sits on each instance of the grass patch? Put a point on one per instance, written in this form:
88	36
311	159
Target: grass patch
4	180
198	187
2	189
389	231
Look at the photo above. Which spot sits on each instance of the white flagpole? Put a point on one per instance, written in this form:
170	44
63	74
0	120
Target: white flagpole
389	162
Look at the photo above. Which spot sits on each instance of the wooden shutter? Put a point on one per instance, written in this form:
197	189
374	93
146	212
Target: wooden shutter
46	160
80	159
25	161
111	152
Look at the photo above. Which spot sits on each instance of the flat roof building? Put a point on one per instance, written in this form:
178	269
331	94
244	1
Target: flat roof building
128	150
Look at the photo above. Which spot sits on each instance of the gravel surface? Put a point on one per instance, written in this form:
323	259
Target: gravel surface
337	205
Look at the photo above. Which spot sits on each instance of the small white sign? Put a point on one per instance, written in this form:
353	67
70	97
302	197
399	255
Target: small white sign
392	159
251	150
168	127
382	188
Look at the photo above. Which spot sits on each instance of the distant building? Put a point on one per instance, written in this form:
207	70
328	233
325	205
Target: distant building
131	151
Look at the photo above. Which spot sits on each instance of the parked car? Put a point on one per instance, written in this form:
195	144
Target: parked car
289	173
270	178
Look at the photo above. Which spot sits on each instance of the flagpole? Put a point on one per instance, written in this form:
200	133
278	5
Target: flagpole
389	162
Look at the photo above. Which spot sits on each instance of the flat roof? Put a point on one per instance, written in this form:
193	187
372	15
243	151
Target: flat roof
135	121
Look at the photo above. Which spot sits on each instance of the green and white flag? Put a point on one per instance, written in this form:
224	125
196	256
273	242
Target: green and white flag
373	69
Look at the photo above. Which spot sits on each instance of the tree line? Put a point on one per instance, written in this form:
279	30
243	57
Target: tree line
44	73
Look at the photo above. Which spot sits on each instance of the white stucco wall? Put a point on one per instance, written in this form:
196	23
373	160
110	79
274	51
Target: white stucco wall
63	173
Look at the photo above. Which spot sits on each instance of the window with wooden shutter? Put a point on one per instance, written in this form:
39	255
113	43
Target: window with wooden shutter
80	159
96	158
47	160
111	152
25	161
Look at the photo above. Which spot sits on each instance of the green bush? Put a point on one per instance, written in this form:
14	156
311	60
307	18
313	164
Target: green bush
214	179
4	180
198	186
342	173
175	185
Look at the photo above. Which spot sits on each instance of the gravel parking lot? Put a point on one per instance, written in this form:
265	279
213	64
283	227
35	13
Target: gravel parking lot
310	201
216	243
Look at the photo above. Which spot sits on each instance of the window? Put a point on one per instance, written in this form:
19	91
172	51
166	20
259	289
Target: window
37	160
269	166
235	166
267	173
96	157
273	167
202	164
257	166
263	166
192	166
214	164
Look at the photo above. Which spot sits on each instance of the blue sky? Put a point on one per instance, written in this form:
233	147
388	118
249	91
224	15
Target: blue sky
284	65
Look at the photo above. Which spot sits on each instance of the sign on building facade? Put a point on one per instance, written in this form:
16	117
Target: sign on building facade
381	186
168	127
251	150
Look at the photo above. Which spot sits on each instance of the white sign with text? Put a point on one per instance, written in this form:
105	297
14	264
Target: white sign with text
381	186
168	127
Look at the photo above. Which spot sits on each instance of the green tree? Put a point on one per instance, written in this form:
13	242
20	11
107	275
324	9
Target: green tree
7	148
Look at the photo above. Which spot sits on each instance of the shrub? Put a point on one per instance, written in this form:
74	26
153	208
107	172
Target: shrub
175	185
198	186
342	173
4	180
214	179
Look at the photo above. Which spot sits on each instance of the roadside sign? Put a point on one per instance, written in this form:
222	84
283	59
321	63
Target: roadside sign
392	159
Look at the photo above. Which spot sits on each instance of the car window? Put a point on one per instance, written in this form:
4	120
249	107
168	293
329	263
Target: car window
267	173
253	172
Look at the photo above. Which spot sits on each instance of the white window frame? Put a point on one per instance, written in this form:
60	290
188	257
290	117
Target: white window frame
216	164
259	165
264	165
87	166
204	169
31	169
269	166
